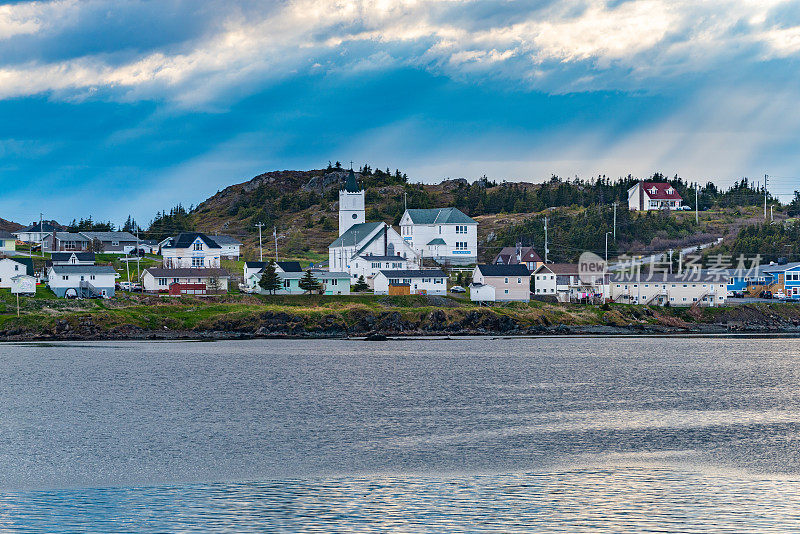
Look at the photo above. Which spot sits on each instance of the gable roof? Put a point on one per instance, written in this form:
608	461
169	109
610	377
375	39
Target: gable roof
68	236
559	268
351	185
27	262
225	240
508	256
185	240
661	191
255	264
109	236
356	234
289	266
81	269
65	256
6	235
418	273
498	269
439	216
436	241
162	272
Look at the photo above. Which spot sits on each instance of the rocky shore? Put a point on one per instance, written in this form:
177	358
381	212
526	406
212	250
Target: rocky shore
360	322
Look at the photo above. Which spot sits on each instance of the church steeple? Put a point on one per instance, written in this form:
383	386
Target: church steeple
351	204
351	185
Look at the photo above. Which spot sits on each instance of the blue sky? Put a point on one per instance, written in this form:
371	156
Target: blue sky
120	107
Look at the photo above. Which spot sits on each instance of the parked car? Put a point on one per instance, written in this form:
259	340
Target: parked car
780	295
126	286
766	294
737	294
457	289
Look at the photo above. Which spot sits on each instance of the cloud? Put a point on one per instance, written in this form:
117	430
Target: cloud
572	45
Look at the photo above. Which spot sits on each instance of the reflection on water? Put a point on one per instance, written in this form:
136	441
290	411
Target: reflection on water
621	500
537	435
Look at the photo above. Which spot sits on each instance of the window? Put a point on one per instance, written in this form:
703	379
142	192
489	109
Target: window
197	262
440	229
16	267
198	246
65	277
519	280
461	229
91	277
461	245
355	215
376	265
115	243
162	281
287	283
506	291
506	280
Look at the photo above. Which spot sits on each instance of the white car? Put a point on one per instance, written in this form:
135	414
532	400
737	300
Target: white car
457	289
780	295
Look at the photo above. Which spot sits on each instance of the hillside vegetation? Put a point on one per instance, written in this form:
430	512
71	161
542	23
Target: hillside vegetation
302	207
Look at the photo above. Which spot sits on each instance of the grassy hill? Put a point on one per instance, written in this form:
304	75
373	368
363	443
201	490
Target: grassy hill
303	206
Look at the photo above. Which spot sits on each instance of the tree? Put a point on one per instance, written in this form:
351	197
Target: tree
309	283
270	281
360	285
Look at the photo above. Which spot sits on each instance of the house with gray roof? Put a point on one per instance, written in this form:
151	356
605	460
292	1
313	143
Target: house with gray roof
445	234
35	232
58	241
8	243
411	282
230	247
82	281
159	279
111	242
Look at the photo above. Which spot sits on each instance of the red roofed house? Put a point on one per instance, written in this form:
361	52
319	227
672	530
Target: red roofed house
646	196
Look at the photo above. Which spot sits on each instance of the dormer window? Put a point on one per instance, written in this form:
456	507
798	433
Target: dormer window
670	190
653	190
198	246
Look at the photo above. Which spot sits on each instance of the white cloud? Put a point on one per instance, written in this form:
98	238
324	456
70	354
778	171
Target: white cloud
611	46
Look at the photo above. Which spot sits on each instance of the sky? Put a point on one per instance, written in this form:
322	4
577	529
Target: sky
118	107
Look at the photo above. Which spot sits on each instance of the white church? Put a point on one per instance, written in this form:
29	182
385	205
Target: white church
364	248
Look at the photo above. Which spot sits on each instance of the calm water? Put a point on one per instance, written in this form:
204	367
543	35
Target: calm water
478	435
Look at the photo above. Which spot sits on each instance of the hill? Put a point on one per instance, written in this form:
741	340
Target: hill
9	226
302	206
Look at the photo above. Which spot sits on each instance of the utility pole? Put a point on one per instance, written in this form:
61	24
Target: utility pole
766	181
138	272
546	250
41	237
670	261
615	221
607	233
696	205
275	235
260	249
405	201
771	214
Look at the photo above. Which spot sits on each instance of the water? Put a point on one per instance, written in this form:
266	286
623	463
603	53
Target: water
475	435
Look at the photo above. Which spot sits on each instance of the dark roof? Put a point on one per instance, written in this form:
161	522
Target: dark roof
351	185
410	273
255	264
162	272
355	234
185	240
560	268
498	269
65	256
225	240
78	269
109	236
436	241
290	266
439	216
508	255
6	235
27	262
369	257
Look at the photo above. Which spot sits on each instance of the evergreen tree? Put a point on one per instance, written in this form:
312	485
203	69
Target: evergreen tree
270	281
360	285
309	283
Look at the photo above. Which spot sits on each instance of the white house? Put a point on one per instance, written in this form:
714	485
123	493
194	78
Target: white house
367	239
230	247
646	196
161	280
82	280
412	282
34	233
564	280
191	250
10	268
368	265
445	234
332	283
351	204
509	283
72	258
684	289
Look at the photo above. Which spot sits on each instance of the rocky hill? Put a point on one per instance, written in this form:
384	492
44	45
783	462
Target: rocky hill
9	226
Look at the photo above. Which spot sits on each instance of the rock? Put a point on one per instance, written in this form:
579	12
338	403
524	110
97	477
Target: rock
376	337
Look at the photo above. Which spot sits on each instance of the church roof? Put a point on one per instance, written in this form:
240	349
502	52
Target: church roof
355	234
439	216
351	185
